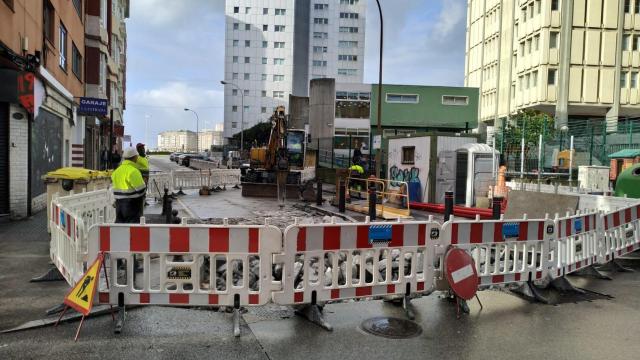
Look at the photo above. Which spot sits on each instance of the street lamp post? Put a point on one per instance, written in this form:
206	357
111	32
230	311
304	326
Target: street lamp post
197	130
241	115
379	110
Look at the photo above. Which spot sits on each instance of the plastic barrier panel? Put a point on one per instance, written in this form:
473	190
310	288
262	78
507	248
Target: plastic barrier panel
325	262
190	179
504	251
621	233
187	264
577	243
157	183
65	247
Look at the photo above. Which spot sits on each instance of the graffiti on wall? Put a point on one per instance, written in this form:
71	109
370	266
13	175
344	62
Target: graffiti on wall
399	175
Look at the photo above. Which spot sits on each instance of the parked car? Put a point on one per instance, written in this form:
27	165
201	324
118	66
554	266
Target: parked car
174	156
185	159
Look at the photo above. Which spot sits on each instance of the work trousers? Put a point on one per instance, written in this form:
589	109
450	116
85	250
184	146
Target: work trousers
129	211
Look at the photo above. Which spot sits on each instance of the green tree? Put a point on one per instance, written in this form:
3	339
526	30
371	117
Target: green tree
531	124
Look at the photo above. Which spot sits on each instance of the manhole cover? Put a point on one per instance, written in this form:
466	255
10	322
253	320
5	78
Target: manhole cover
393	328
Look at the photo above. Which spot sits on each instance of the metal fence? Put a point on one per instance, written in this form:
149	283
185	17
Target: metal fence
338	152
548	151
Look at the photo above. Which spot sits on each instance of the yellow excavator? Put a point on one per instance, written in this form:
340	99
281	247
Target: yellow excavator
273	164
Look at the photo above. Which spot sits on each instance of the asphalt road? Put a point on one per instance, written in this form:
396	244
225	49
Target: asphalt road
162	163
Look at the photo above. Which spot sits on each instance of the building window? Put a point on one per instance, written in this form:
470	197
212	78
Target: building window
76	62
234	76
236	9
278	77
347	57
247	10
264	77
234	108
263	109
247	76
408	155
634	80
348	2
539	6
536	40
76	4
264	60
246	92
264	93
319	63
348	72
278	45
234	92
247	27
49	21
279	28
623	79
278	94
235	59
236	26
265	27
320	35
319	49
403	98
265	11
534	79
455	100
63	47
321	21
625	42
347	15
281	12
265	44
247	60
553	40
551	78
234	124
246	108
247	43
347	44
637	7
348	29
636	43
278	61
627	6
321	6
236	43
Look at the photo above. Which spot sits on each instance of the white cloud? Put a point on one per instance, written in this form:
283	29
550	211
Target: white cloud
173	12
451	17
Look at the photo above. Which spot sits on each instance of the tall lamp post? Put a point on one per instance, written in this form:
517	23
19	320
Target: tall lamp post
241	115
197	129
379	127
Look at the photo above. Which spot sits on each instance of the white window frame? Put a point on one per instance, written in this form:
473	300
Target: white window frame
386	98
455	96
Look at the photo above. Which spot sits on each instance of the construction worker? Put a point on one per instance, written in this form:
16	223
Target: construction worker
143	162
128	188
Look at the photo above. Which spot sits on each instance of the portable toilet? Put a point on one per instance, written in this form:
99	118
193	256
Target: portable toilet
474	172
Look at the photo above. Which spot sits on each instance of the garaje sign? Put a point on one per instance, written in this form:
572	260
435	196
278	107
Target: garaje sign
93	106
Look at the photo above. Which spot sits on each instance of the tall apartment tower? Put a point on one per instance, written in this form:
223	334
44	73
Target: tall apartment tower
573	59
273	48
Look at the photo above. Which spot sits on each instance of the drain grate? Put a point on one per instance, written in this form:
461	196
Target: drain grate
392	328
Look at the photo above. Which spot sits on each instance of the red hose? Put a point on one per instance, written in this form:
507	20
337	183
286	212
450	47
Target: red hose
460	211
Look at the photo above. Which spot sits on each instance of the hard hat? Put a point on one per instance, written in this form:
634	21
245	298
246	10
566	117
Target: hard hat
139	145
129	152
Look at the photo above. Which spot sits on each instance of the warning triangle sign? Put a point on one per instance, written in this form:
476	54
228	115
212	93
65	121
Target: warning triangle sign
81	296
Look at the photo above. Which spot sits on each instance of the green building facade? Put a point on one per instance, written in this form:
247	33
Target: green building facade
411	109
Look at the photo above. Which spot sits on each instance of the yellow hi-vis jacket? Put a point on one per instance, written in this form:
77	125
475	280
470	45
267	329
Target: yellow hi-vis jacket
143	165
359	169
127	181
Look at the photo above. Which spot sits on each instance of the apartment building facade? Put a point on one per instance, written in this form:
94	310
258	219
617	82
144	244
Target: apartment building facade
180	140
274	47
573	60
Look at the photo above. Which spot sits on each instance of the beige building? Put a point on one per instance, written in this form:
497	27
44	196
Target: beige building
181	140
522	56
208	138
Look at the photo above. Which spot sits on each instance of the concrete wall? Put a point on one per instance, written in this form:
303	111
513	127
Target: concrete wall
298	111
322	108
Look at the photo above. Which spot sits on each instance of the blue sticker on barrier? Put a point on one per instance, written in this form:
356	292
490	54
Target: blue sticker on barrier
577	225
379	233
510	230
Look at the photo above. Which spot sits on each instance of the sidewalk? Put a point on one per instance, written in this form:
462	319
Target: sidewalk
24	254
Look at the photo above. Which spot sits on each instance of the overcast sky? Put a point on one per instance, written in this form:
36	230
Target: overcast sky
175	57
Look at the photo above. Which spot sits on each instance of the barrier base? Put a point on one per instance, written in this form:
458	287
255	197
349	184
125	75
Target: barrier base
236	322
563	285
591	271
51	275
530	292
615	266
313	313
117	327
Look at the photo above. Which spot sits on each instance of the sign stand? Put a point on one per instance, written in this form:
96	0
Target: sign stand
80	298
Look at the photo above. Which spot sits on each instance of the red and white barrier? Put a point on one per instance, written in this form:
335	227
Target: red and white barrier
329	262
501	257
575	244
620	233
181	265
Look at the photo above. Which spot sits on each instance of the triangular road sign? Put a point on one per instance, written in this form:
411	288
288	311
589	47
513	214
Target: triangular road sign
81	296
